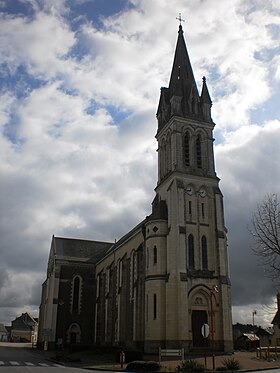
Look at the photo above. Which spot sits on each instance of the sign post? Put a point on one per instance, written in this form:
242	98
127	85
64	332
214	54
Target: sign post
205	333
122	358
213	290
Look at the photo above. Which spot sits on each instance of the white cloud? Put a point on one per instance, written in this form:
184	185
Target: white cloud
248	164
40	44
264	316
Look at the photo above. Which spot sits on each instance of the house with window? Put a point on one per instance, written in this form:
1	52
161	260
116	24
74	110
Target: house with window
276	324
249	337
169	275
3	333
24	328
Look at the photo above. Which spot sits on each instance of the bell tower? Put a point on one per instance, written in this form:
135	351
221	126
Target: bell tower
193	279
192	144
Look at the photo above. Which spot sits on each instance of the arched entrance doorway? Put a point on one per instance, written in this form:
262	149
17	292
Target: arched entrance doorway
199	312
74	334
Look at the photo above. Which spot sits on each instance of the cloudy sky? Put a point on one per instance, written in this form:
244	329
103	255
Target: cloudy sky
80	83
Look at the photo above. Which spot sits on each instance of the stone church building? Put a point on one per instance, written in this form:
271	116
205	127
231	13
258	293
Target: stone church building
164	279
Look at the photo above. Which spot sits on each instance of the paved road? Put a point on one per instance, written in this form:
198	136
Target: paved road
21	358
272	370
41	368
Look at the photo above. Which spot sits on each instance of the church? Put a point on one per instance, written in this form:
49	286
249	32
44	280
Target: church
169	275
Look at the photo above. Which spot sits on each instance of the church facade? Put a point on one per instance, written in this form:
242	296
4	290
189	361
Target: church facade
169	275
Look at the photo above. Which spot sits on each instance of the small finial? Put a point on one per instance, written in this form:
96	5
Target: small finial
180	19
204	80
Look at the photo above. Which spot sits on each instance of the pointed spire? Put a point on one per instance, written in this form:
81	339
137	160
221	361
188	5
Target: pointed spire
182	81
205	96
181	98
205	101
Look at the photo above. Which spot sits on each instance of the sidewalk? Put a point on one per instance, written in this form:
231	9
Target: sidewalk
247	360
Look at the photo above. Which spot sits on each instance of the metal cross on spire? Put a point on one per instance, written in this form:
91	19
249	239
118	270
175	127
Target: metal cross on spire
180	19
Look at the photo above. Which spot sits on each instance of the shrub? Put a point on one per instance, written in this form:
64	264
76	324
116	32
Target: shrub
135	366
143	366
152	366
231	363
191	366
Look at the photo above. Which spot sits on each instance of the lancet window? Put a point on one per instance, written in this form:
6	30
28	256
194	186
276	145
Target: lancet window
168	154
204	255
155	306
76	294
186	148
119	273
198	151
155	255
132	273
190	255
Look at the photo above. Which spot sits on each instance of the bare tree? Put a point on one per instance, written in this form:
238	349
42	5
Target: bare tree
266	233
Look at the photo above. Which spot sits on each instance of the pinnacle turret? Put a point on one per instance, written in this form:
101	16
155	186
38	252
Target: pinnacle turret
205	97
205	100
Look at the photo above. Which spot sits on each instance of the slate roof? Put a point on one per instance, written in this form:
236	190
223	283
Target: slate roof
24	322
276	319
159	212
134	230
91	251
182	78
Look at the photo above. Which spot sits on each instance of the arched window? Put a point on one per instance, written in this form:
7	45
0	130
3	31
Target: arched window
168	154
186	148
164	159
198	151
155	306
132	274
155	255
190	251
119	273
132	265
204	255
107	280
76	295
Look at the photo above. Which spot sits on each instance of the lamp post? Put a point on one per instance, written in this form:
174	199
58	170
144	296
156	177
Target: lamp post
253	314
213	290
